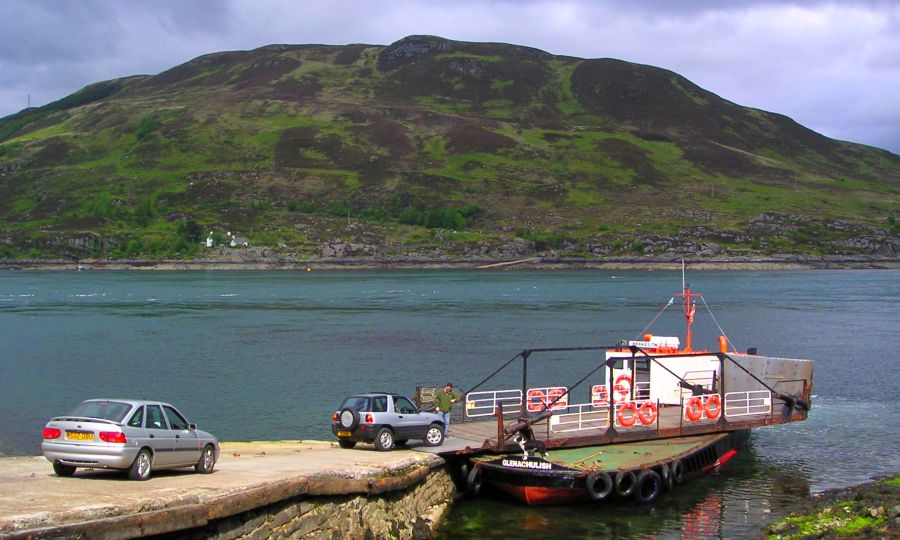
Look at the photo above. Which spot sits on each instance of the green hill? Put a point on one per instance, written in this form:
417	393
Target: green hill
433	148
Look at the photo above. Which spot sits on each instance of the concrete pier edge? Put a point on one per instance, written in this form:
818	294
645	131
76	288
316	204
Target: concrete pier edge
385	474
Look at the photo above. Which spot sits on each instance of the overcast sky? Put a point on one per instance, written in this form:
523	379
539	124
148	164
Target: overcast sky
833	66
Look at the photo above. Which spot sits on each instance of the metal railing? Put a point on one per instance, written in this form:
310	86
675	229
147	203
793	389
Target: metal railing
748	403
486	403
642	391
584	417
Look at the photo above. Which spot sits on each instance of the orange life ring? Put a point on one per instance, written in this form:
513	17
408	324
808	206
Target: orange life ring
713	412
622	391
647	412
535	400
599	395
560	394
694	409
629	421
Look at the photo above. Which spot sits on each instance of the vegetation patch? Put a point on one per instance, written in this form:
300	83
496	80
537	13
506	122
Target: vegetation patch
290	141
870	510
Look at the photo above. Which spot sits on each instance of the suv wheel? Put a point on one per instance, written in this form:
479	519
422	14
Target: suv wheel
348	419
435	435
384	440
347	444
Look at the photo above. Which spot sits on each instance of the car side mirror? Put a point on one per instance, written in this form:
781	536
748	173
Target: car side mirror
192	426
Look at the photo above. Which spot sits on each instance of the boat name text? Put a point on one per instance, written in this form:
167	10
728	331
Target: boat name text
521	464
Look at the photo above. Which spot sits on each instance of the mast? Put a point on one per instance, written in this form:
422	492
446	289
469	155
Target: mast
689	308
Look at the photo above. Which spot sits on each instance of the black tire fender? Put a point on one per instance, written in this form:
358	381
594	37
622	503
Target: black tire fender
665	473
676	469
625	483
474	482
599	485
647	487
462	475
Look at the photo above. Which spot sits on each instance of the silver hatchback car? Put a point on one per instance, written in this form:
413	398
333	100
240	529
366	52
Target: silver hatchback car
133	435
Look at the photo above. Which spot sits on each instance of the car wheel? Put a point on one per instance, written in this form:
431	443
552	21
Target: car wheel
435	435
140	469
348	419
347	444
384	440
63	470
207	460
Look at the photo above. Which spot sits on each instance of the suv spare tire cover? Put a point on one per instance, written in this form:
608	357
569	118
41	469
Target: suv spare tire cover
348	418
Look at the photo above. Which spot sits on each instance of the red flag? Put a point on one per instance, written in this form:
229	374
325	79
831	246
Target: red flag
691	313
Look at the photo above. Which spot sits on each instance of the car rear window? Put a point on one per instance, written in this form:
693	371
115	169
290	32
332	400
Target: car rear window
357	403
114	411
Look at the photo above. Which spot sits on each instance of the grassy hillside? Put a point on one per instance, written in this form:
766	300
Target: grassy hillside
429	146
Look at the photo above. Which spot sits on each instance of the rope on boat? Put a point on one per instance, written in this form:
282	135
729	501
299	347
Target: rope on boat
719	326
547	412
658	315
527	352
496	371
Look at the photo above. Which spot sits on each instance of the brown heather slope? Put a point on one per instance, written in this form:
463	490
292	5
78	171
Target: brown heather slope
430	147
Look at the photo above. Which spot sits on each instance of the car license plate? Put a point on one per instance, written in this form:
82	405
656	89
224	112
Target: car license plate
79	436
344	433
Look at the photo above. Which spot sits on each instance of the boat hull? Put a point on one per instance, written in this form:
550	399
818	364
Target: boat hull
551	481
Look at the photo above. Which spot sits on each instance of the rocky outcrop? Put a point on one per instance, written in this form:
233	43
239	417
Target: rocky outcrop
408	515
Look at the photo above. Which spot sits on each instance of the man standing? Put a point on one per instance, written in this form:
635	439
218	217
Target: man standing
444	401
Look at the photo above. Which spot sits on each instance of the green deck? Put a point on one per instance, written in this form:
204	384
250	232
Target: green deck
628	455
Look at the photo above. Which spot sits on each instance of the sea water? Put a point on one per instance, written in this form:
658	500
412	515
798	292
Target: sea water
270	355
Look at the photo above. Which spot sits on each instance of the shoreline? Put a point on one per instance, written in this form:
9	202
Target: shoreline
779	262
867	510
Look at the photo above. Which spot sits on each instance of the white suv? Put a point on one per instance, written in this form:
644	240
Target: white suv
385	419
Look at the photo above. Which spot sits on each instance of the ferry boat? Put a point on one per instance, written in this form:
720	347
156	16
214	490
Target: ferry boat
661	414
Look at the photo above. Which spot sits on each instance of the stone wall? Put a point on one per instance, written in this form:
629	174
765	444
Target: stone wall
411	513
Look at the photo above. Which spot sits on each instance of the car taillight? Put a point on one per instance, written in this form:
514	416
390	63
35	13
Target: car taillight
334	417
51	433
113	437
369	419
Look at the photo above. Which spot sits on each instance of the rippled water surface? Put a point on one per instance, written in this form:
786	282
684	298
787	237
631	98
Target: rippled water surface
268	355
